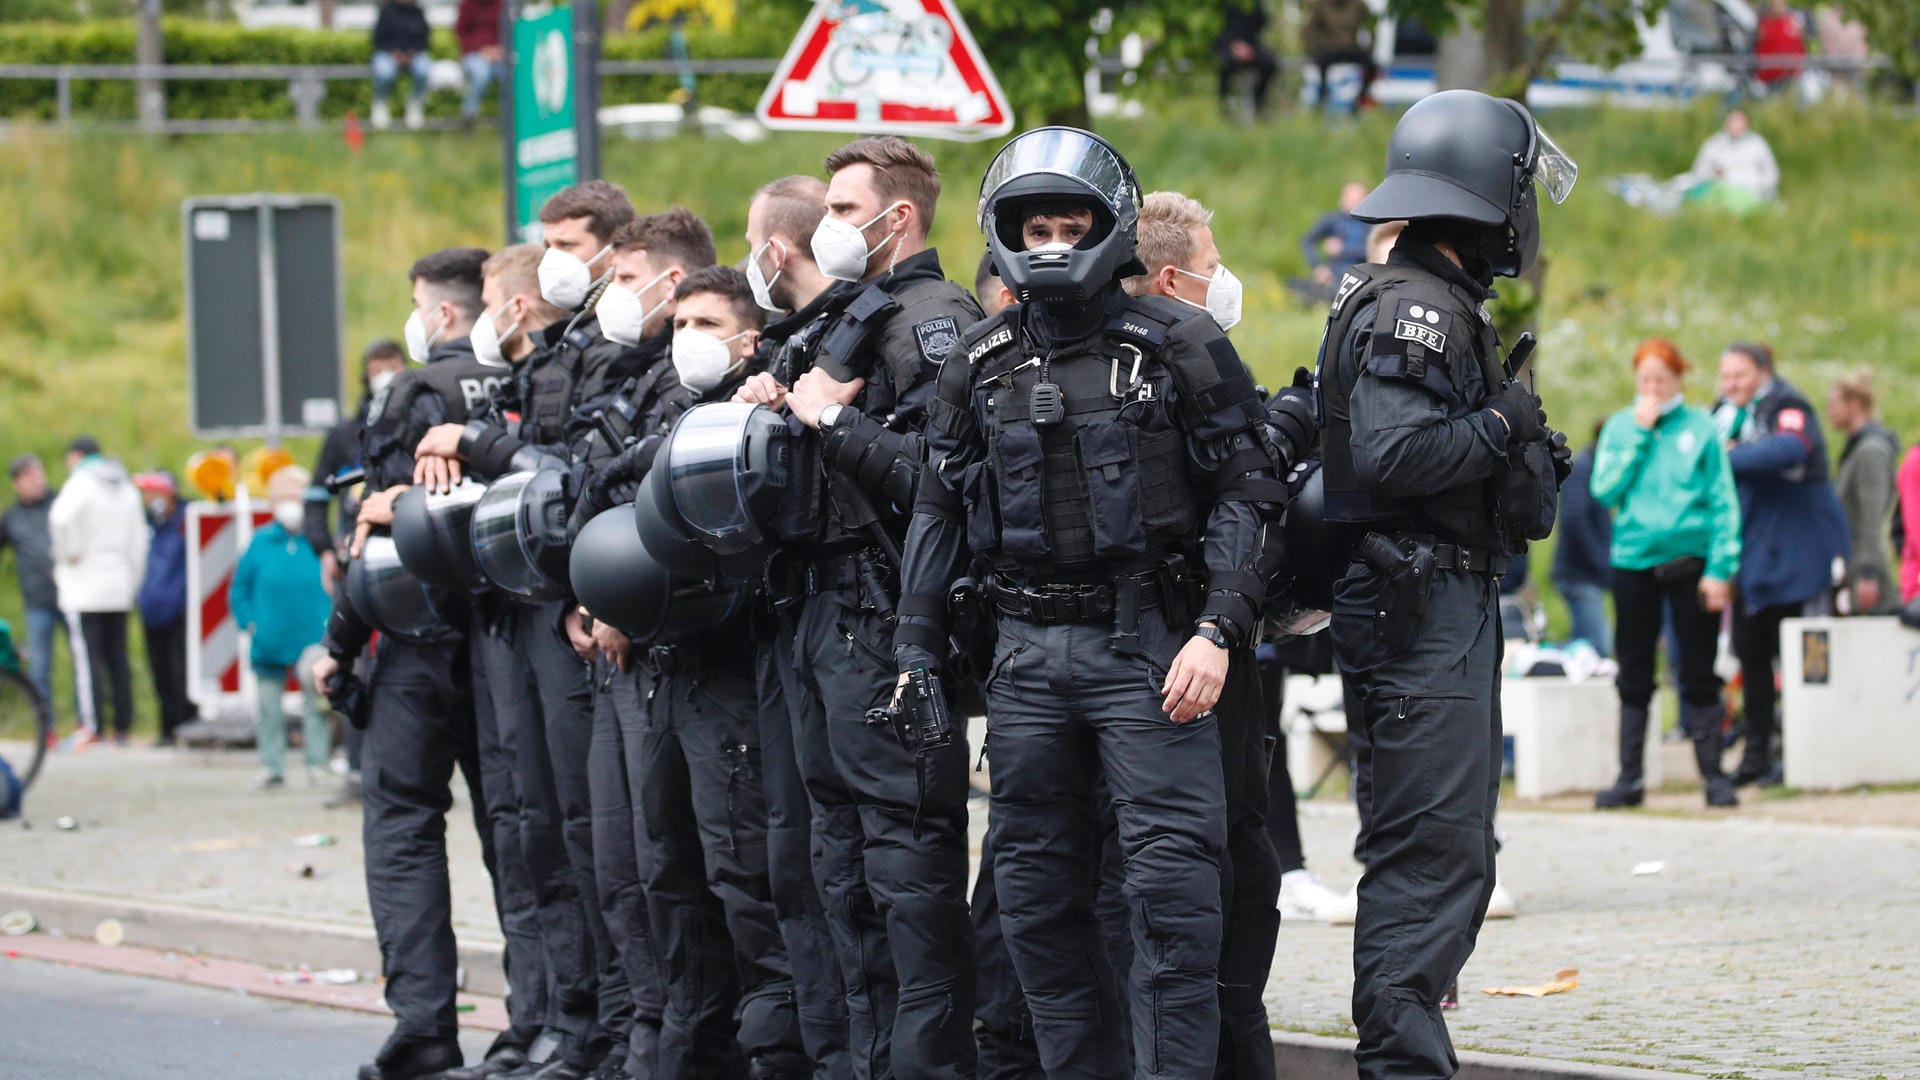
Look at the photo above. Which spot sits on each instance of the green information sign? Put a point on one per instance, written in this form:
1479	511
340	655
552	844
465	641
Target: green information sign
546	145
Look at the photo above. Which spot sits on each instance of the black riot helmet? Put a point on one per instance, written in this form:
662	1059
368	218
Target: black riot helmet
434	535
1050	170
1462	156
625	587
520	534
1317	550
388	597
709	504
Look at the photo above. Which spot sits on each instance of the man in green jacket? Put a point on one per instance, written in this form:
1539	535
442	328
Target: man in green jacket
1676	546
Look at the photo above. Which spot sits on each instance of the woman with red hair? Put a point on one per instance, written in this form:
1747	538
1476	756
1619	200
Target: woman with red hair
1676	546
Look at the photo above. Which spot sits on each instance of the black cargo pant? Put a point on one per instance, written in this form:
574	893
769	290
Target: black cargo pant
890	834
614	770
729	984
553	731
820	995
513	894
419	727
1064	707
1432	718
1756	641
1249	875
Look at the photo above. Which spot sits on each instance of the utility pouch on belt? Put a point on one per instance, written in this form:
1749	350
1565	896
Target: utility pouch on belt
1407	566
1529	494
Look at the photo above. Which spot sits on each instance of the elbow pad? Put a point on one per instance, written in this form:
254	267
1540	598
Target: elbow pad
879	460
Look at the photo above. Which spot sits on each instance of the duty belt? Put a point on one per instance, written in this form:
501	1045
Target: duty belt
827	575
1053	604
673	659
1468	560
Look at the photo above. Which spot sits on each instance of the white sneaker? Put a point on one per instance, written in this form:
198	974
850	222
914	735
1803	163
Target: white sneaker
1502	905
1305	898
416	116
382	116
1345	909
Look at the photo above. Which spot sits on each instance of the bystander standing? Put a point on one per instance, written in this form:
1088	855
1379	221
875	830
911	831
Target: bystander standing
1906	525
24	528
1675	549
1582	565
163	601
100	535
1792	530
277	597
1864	481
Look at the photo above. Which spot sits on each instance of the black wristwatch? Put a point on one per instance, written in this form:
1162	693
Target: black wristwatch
1214	634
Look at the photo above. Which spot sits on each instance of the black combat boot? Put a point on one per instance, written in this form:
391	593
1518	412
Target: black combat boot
1631	788
1702	724
410	1057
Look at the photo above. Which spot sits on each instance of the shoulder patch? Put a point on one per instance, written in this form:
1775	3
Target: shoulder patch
1350	283
1422	325
1002	335
937	338
1792	420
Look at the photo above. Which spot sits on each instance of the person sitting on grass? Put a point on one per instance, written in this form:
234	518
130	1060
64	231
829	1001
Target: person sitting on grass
277	596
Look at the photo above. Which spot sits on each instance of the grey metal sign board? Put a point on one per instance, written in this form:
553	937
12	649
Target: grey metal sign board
265	311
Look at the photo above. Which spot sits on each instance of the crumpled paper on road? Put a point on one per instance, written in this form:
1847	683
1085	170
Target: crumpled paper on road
1563	981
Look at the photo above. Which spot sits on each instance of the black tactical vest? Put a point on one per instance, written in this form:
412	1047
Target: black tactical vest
1104	487
565	372
1440	333
463	385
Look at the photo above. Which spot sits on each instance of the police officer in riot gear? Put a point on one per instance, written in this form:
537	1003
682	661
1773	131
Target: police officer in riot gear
1441	466
1107	455
421	721
889	826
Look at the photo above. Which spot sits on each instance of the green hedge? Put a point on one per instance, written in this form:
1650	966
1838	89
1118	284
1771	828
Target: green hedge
191	41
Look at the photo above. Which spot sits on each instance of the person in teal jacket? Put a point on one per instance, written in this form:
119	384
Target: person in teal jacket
1662	469
277	596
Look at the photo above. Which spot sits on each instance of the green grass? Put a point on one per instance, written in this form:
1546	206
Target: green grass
91	336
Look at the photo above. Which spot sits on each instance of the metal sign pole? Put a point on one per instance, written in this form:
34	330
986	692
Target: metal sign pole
509	171
269	322
586	86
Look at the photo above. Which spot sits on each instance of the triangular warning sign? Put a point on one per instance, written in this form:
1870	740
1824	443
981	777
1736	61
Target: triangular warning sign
904	67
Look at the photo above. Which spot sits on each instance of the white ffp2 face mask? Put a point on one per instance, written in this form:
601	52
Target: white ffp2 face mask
621	317
487	337
1223	295
840	247
565	280
377	384
292	516
757	279
419	342
703	361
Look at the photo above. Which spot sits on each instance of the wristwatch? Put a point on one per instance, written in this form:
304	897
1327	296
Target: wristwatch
1214	634
829	414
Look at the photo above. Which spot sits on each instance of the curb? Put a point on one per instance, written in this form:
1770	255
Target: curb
269	940
1315	1057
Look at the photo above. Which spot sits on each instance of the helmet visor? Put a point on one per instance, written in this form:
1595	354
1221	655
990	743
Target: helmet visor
1552	166
1069	153
497	543
398	601
703	462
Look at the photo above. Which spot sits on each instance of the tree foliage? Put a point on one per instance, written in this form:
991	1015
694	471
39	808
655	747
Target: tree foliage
1524	37
1893	28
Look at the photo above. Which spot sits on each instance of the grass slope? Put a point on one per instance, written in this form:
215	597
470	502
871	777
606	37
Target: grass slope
91	336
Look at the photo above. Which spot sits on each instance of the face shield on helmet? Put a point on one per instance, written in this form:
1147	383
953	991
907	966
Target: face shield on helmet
389	597
520	534
1048	170
1546	165
433	535
718	482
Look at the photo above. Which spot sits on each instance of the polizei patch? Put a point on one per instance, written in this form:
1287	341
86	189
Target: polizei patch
1422	325
1002	336
937	338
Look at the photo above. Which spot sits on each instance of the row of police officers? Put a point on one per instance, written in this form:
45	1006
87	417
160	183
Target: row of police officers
695	573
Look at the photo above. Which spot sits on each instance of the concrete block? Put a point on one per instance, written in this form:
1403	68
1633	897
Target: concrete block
1849	701
1566	736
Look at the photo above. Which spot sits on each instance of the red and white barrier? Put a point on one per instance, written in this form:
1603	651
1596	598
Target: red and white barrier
218	677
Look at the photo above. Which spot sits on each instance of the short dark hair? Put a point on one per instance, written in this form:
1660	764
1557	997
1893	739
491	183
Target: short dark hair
84	445
454	275
728	284
382	349
985	277
1760	353
604	205
795	205
901	171
21	463
674	235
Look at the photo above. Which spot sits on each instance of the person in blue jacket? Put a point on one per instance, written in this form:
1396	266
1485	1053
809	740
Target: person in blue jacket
1582	569
1793	530
163	601
277	596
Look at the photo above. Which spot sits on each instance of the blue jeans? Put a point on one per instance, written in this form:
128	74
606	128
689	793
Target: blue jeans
41	624
480	73
386	72
1588	606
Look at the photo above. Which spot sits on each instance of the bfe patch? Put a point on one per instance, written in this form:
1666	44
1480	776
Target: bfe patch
1422	325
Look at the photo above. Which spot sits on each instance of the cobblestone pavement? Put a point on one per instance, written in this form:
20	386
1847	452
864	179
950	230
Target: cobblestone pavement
1773	942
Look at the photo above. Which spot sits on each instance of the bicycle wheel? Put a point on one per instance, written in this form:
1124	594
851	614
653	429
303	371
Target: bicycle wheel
23	709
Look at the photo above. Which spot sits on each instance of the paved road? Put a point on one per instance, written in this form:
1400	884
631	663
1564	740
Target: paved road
73	1024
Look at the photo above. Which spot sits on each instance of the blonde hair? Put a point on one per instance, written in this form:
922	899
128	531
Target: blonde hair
1170	225
288	482
1857	387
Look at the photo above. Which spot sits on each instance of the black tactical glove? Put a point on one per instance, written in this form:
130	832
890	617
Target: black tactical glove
1290	413
1562	455
631	464
1520	408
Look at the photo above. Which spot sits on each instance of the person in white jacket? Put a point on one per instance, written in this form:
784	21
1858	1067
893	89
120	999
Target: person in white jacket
100	537
1740	158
